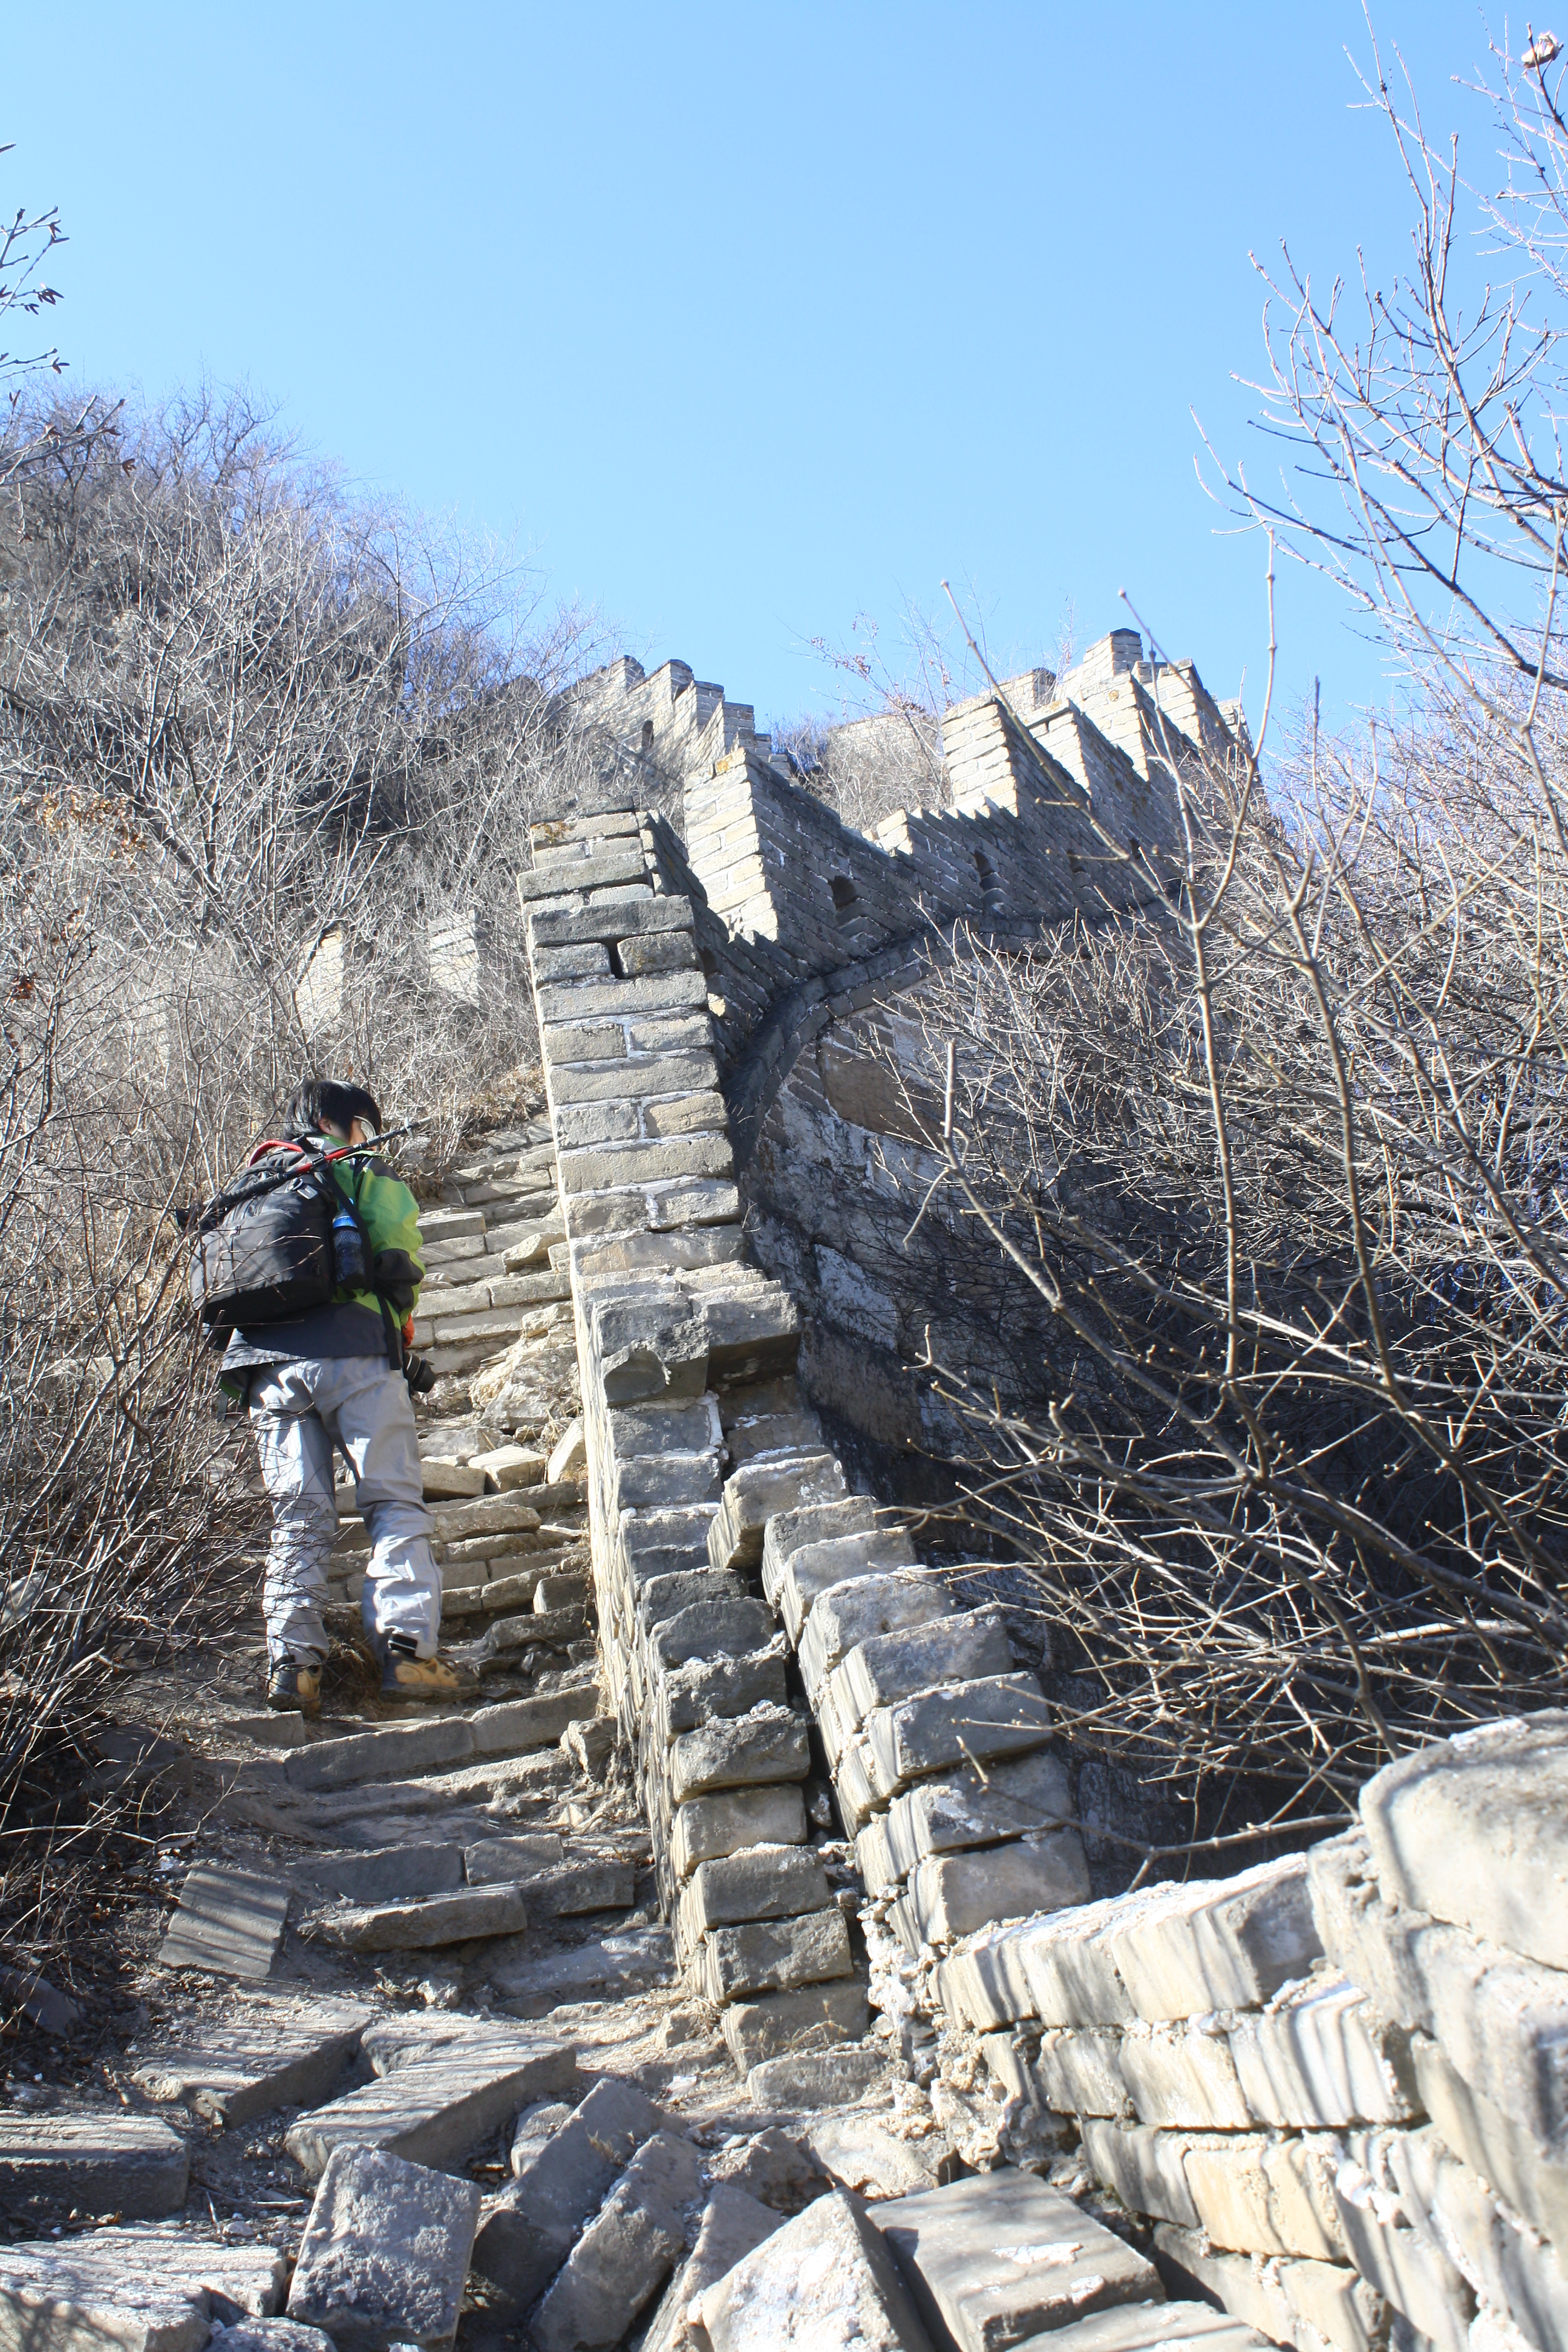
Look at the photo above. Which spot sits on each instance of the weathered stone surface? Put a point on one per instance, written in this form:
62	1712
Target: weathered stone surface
227	1921
271	2336
1012	1798
824	2280
385	1872
1003	2257
965	1647
111	2163
862	2153
1078	2072
433	2110
531	2226
263	2054
1320	2054
148	2290
520	1724
1277	2297
1491	2143
812	1523
385	2252
439	1919
773	1954
710	1827
952	1894
608	1969
1475	1831
732	2224
625	2253
763	1882
1152	2326
769	1744
511	1859
390	1754
710	1629
701	1689
510	1466
1225	1943
759	1490
448	1481
1254	2194
813	1569
1179	2074
817	2078
961	1723
757	2030
1148	2168
864	1607
773	2165
1405	2266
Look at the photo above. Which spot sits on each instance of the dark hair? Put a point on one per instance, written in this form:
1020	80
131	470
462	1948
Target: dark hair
329	1102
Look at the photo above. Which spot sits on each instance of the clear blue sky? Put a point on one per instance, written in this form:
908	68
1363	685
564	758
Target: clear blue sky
744	319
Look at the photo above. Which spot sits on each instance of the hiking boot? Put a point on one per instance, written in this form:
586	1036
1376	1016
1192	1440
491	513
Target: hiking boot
405	1675
294	1688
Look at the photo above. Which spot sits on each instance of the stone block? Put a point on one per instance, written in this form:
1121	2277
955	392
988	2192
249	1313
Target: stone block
444	1480
864	1608
271	2336
1500	2019
861	2153
812	1523
507	1467
1405	2266
379	1874
761	1882
701	1689
966	1647
612	1967
1159	2328
262	2053
758	1492
775	1954
487	1515
510	1860
1225	1943
710	1827
625	2253
1179	2074
518	1725
823	2279
960	1724
639	914
1253	2195
1321	2056
229	1922
1474	1830
112	2163
1078	2072
1147	2169
1001	2257
1280	2299
665	1594
390	1754
385	2256
1491	2143
758	2031
528	2230
733	2223
1011	1799
459	1918
952	1894
710	1629
146	2290
617	999
768	1745
433	2110
821	1567
451	1224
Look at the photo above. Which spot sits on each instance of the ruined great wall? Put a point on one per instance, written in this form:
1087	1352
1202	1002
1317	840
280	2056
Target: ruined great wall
937	2088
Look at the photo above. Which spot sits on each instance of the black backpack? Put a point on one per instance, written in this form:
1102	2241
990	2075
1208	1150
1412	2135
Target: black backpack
264	1251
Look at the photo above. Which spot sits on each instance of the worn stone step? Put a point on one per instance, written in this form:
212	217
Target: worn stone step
433	2110
381	1874
263	2052
613	1968
393	1753
147	2289
111	2163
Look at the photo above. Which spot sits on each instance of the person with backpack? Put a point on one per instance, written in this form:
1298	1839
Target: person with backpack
330	1375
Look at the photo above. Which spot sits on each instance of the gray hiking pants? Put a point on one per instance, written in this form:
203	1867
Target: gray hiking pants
299	1411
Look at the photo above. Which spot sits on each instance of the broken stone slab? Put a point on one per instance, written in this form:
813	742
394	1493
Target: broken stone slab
1500	2018
1321	2056
762	1882
863	2153
433	2110
390	1754
459	1918
966	1647
1012	1798
961	1724
825	2279
710	1827
952	1894
511	1466
759	1490
770	1743
818	2078
1216	1944
701	1689
531	2226
626	2252
112	2163
385	2257
864	1608
379	1873
1474	1830
262	2053
613	1968
1003	2257
775	1954
148	2290
513	1859
569	1456
733	2225
229	1922
663	1594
